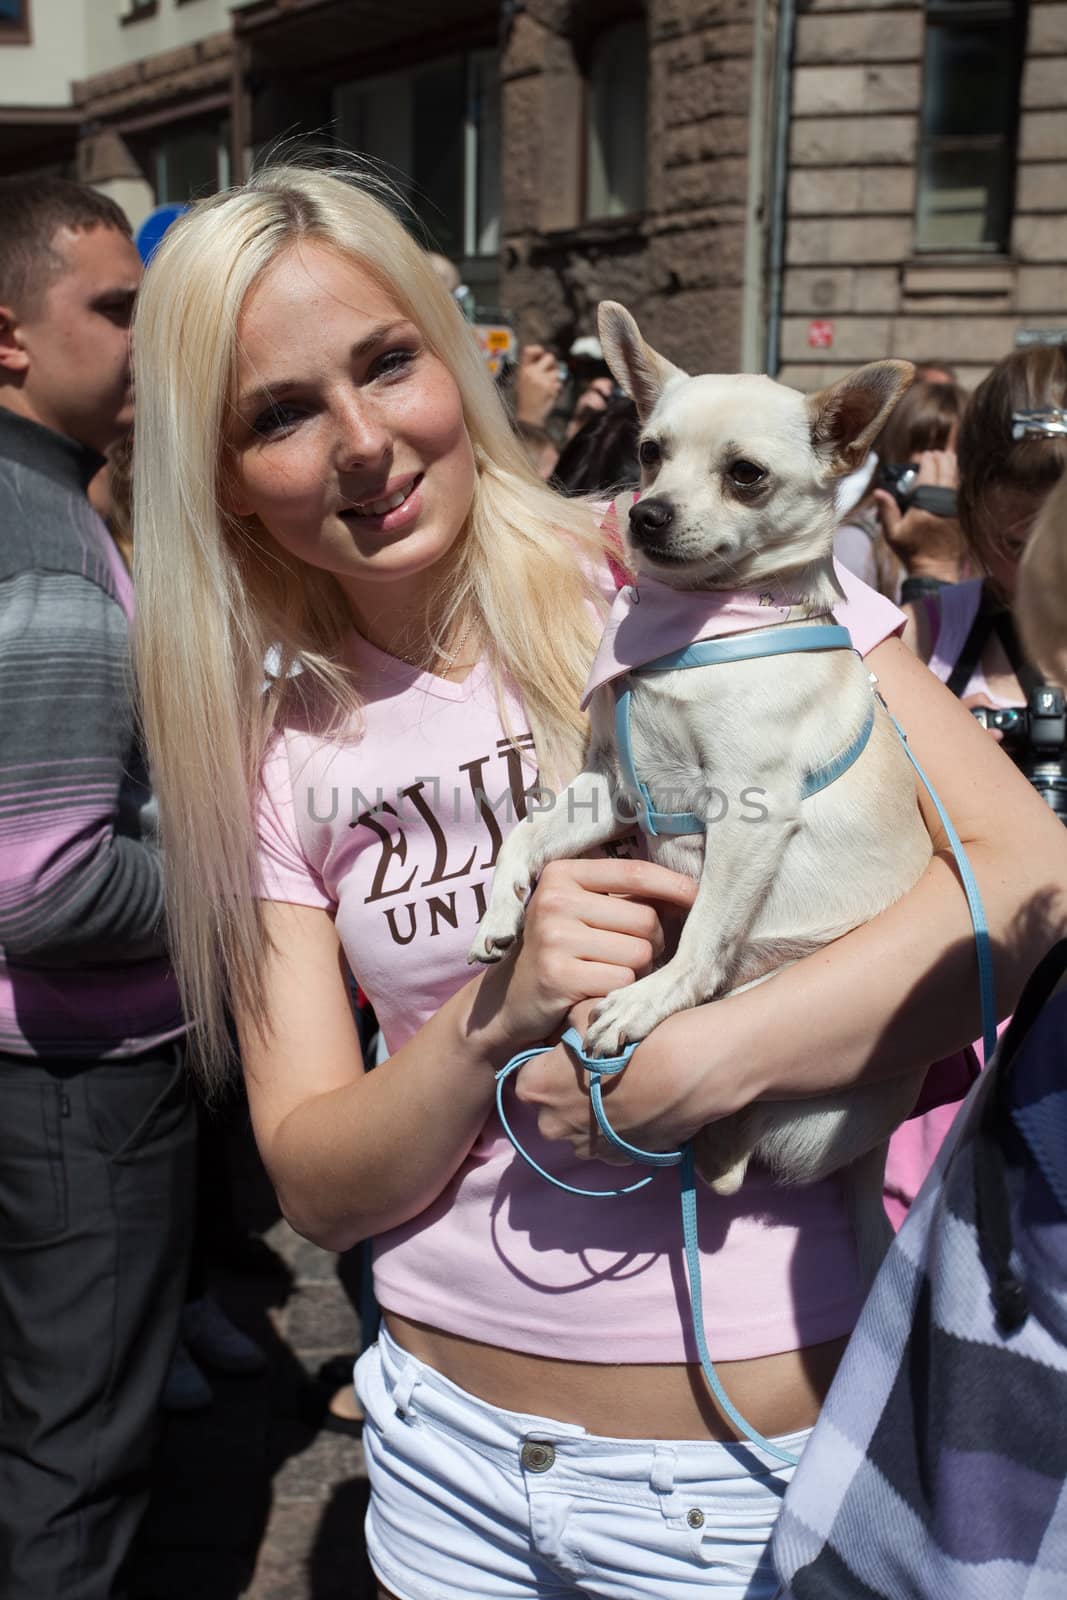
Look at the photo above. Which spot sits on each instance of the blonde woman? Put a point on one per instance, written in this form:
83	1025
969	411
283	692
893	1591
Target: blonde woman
324	471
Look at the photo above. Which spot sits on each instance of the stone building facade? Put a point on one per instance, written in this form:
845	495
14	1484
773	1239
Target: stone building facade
784	185
864	86
690	262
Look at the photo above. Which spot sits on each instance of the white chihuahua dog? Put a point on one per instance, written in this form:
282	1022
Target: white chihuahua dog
738	494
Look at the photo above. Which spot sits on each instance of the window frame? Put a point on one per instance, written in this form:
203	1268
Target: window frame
469	222
153	160
19	31
967	13
137	11
618	17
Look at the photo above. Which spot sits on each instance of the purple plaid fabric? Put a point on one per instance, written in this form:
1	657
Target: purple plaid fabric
938	1469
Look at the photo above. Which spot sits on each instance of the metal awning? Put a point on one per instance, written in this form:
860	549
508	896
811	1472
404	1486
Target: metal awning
37	136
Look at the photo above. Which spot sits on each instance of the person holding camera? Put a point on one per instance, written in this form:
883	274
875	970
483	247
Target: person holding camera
1012	451
902	536
916	506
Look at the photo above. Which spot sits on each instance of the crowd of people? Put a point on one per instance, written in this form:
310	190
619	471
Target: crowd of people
367	584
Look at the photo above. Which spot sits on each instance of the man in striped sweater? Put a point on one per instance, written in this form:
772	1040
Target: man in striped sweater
96	1130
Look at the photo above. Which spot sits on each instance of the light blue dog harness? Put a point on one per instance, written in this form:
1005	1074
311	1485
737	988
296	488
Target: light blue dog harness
711	652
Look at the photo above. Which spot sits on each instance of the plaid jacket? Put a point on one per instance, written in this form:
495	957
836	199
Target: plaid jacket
938	1469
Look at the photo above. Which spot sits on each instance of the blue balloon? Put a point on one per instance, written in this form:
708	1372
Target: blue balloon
152	229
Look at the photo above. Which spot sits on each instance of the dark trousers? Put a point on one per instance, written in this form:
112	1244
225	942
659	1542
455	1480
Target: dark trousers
97	1174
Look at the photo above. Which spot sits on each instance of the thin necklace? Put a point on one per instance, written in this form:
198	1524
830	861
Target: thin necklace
438	658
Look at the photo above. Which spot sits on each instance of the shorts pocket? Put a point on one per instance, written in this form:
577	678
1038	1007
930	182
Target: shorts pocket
740	1547
33	1177
380	1412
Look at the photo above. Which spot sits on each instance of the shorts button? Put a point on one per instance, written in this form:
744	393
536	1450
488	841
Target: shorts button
695	1518
537	1457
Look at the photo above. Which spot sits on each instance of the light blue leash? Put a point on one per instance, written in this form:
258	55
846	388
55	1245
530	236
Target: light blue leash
608	1066
746	647
983	947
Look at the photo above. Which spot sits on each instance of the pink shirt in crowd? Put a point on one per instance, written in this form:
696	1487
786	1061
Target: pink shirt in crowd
395	834
952	612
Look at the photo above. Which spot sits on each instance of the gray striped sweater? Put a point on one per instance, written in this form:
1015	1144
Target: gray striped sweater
83	967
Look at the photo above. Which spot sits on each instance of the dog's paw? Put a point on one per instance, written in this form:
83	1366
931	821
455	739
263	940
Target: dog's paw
489	949
727	1183
627	1015
722	1151
615	1023
498	930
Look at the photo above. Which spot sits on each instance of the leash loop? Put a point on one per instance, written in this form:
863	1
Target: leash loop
512	1067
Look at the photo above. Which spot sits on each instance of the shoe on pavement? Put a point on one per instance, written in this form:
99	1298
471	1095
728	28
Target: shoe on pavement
215	1341
185	1388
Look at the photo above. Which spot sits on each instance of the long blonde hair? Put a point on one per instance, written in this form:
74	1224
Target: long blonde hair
215	593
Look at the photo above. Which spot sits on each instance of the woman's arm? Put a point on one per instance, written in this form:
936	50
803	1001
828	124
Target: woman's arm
918	635
353	1153
896	994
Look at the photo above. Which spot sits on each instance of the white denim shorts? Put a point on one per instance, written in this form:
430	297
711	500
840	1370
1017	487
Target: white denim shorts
470	1501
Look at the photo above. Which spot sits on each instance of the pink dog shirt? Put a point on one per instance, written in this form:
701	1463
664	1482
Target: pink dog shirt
649	619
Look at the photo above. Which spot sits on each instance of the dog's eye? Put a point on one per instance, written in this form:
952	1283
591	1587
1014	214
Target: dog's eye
746	474
649	453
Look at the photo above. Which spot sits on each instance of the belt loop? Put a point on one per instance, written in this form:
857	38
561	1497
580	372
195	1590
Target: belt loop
664	1466
405	1388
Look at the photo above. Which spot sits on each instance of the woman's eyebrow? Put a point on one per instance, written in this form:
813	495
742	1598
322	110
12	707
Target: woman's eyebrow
265	393
377	336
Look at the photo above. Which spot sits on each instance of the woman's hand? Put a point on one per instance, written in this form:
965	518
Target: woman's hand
537	384
591	927
594	399
657	1102
929	546
972	700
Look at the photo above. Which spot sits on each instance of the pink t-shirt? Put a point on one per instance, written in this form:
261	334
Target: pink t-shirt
396	834
952	612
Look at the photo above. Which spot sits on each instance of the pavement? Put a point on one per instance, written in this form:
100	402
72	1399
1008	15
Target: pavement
251	1498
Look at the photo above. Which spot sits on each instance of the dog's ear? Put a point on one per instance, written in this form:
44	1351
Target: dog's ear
635	366
849	416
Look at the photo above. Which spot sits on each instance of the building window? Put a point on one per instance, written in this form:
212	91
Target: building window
14	21
190	162
136	10
616	99
436	131
971	74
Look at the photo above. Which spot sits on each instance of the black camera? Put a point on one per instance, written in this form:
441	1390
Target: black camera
899	480
902	481
1035	736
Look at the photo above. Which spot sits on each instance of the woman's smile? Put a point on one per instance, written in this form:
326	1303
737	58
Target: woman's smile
391	499
392	512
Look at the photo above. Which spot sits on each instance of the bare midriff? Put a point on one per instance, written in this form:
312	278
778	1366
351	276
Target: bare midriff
776	1394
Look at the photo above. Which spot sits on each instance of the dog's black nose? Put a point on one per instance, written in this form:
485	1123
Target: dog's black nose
651	519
